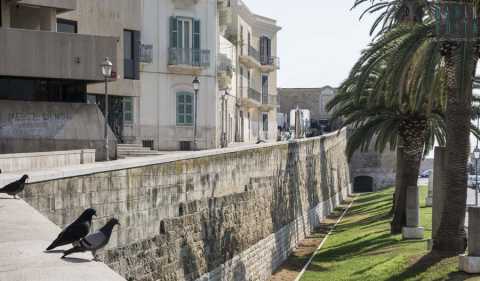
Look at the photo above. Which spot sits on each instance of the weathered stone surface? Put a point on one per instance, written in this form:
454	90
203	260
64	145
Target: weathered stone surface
438	188
474	231
469	264
429	198
413	233
230	216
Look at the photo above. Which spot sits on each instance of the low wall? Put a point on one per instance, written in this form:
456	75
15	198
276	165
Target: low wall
206	215
45	160
28	127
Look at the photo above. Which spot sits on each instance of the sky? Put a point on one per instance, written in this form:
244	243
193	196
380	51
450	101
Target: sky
319	42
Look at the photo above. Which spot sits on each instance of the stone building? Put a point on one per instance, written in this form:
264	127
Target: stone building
207	39
313	99
50	72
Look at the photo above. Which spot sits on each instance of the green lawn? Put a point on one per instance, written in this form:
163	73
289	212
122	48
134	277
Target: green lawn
361	248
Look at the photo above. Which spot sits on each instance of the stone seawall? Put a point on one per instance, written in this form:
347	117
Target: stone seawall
228	215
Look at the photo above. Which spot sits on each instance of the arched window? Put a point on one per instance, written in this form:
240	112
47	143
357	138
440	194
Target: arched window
184	109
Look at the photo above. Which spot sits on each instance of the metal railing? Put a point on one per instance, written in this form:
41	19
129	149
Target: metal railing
269	99
273	61
192	57
146	53
225	64
254	95
254	53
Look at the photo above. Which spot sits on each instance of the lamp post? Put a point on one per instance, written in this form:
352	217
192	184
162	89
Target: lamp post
106	66
196	87
476	156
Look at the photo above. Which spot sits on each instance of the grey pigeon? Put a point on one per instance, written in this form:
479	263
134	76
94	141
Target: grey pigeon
15	187
75	231
93	242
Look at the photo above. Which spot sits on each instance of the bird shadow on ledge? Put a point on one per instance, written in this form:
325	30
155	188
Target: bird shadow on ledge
76	260
53	252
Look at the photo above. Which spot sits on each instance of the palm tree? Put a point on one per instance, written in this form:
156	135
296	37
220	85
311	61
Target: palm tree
459	59
390	79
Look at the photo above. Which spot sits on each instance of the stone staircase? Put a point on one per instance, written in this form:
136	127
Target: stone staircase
134	150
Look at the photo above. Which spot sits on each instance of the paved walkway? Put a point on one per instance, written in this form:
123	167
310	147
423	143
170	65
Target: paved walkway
24	234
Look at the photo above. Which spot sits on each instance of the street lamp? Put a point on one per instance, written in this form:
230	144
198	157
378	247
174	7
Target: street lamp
196	88
476	156
106	66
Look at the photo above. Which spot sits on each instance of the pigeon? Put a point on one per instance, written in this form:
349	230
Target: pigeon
93	242
75	231
16	187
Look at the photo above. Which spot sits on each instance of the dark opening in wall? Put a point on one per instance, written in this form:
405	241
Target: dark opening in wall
363	184
181	210
162	228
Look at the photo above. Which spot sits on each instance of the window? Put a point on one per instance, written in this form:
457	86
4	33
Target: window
67	26
184	109
131	54
265	89
265	50
265	121
241	40
128	109
185	41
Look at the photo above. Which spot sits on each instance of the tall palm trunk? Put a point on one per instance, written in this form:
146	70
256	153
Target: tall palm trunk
451	237
409	157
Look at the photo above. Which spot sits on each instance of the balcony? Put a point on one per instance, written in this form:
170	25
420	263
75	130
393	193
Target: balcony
269	64
146	53
251	58
250	97
188	61
225	15
61	6
44	54
225	71
269	102
182	4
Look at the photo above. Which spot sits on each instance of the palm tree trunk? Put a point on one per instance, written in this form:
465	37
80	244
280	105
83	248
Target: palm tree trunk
451	237
409	158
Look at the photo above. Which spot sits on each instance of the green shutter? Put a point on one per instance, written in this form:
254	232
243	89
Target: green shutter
173	32
196	34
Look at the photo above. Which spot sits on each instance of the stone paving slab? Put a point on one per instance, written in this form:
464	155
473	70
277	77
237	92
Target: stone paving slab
24	235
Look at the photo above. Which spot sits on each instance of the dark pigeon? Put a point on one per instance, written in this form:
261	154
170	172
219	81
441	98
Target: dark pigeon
16	187
93	242
75	231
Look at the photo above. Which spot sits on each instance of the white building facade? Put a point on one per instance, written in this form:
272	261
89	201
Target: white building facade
193	38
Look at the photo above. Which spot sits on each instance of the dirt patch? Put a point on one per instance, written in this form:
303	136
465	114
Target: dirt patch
290	269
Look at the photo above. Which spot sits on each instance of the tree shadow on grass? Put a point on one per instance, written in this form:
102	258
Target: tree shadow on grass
420	266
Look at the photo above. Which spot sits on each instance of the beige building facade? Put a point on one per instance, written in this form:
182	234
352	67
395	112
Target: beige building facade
257	63
203	39
51	53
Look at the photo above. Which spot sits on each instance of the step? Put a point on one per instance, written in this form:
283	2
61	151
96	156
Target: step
153	152
133	145
134	149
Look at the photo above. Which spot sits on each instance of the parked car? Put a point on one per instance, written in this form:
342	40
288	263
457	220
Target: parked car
425	174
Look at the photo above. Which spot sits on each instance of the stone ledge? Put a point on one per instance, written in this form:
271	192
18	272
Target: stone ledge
131	163
23	239
469	264
414	233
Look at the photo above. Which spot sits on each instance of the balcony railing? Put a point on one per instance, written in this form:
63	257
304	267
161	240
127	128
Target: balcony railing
225	64
269	99
272	61
254	53
254	95
146	53
191	57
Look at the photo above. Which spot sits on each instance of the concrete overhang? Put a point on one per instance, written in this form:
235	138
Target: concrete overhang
60	5
52	55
